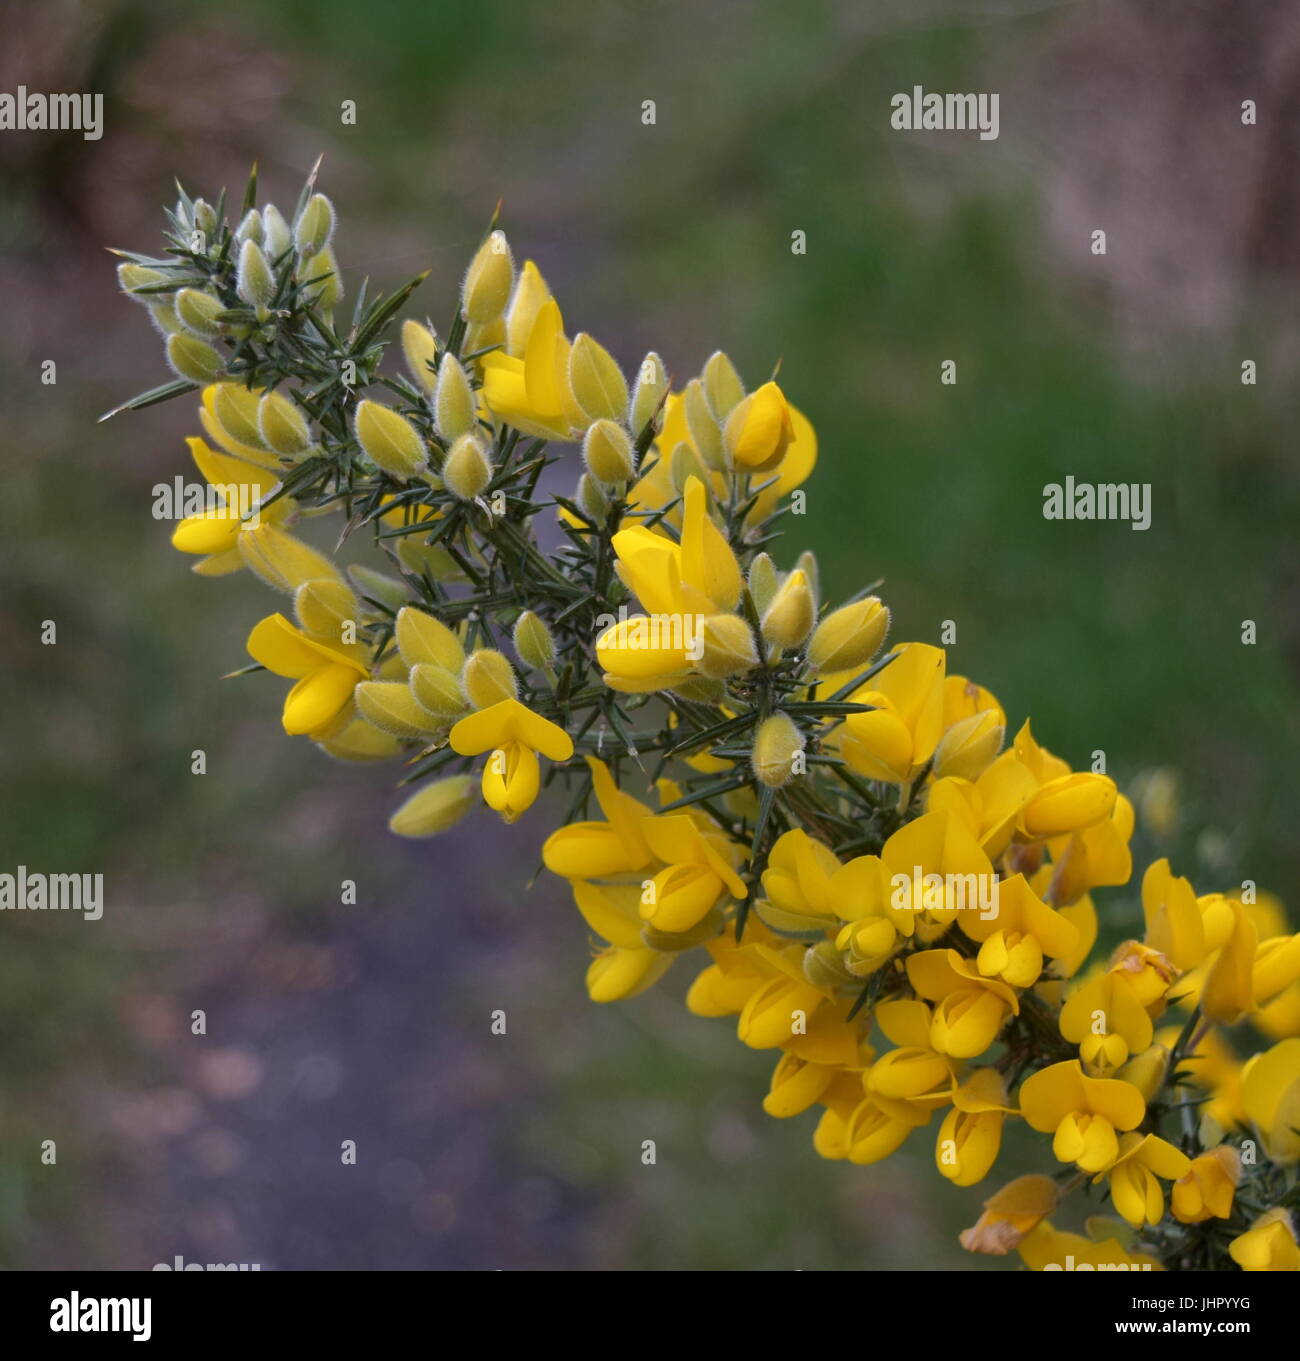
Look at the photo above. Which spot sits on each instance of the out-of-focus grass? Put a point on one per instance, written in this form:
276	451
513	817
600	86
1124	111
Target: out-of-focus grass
769	118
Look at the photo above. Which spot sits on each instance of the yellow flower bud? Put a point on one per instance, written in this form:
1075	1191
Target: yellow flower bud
205	216
325	607
648	394
282	426
488	281
420	350
438	690
390	705
468	470
163	315
315	226
198	312
238	412
763	582
722	386
806	563
321	272
435	808
250	229
776	744
254	281
597	382
727	646
422	638
390	441
849	637
591	499
607	452
969	746
533	641
684	465
705	432
453	401
759	430
1146	1071
194	359
479	339
788	620
132	277
360	740
285	563
530	296
489	678
276	236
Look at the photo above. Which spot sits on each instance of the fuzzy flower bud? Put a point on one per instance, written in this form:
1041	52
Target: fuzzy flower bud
722	386
1146	1071
205	216
390	705
468	470
488	281
684	465
776	744
530	296
763	582
435	808
194	359
648	394
276	236
591	500
533	641
438	690
453	401
597	382
325	607
607	452
237	411
254	283
423	639
788	620
806	563
705	434
315	227
250	229
727	647
420	350
390	441
850	636
282	426
321	271
198	312
132	278
489	678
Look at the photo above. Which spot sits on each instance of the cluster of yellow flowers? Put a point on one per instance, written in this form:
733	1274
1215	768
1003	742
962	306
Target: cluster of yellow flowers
893	901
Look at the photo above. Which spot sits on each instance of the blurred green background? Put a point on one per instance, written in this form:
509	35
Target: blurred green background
371	1022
